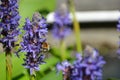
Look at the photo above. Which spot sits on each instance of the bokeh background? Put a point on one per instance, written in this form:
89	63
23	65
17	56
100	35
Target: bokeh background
101	34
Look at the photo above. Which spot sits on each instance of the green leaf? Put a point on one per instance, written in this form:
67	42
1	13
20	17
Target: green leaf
113	79
17	65
50	62
2	67
52	76
56	52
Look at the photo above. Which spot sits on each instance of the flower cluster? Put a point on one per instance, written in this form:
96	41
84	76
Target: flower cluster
118	25
118	29
61	25
33	41
65	67
87	67
9	22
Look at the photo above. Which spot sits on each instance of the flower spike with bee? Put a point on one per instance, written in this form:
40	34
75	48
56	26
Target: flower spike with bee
33	41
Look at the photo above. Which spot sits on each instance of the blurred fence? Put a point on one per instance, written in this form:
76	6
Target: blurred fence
91	16
86	5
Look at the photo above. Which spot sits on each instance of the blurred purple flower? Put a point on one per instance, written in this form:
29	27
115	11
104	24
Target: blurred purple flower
9	22
118	25
61	25
90	67
86	67
33	39
66	69
118	29
62	66
118	52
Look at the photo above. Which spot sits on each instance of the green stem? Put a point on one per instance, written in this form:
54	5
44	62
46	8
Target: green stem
8	66
32	77
63	50
76	27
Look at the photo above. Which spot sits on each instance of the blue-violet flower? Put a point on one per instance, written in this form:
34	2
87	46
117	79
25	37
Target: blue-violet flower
87	67
9	22
118	29
61	26
118	25
33	39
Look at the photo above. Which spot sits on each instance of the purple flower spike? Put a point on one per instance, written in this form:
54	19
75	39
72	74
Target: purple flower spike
33	40
118	25
118	52
87	67
62	66
61	25
90	67
9	22
33	62
66	69
118	29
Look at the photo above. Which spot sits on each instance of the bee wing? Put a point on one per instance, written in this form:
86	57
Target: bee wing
47	54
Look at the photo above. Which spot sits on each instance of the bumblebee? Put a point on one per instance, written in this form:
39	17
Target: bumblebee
45	47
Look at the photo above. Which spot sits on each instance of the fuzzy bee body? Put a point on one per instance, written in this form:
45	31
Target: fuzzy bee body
45	46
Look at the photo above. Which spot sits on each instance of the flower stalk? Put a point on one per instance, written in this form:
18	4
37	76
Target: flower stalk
32	77
63	50
76	26
8	66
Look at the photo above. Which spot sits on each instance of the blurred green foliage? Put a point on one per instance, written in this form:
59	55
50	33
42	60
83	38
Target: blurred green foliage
112	79
28	7
44	12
